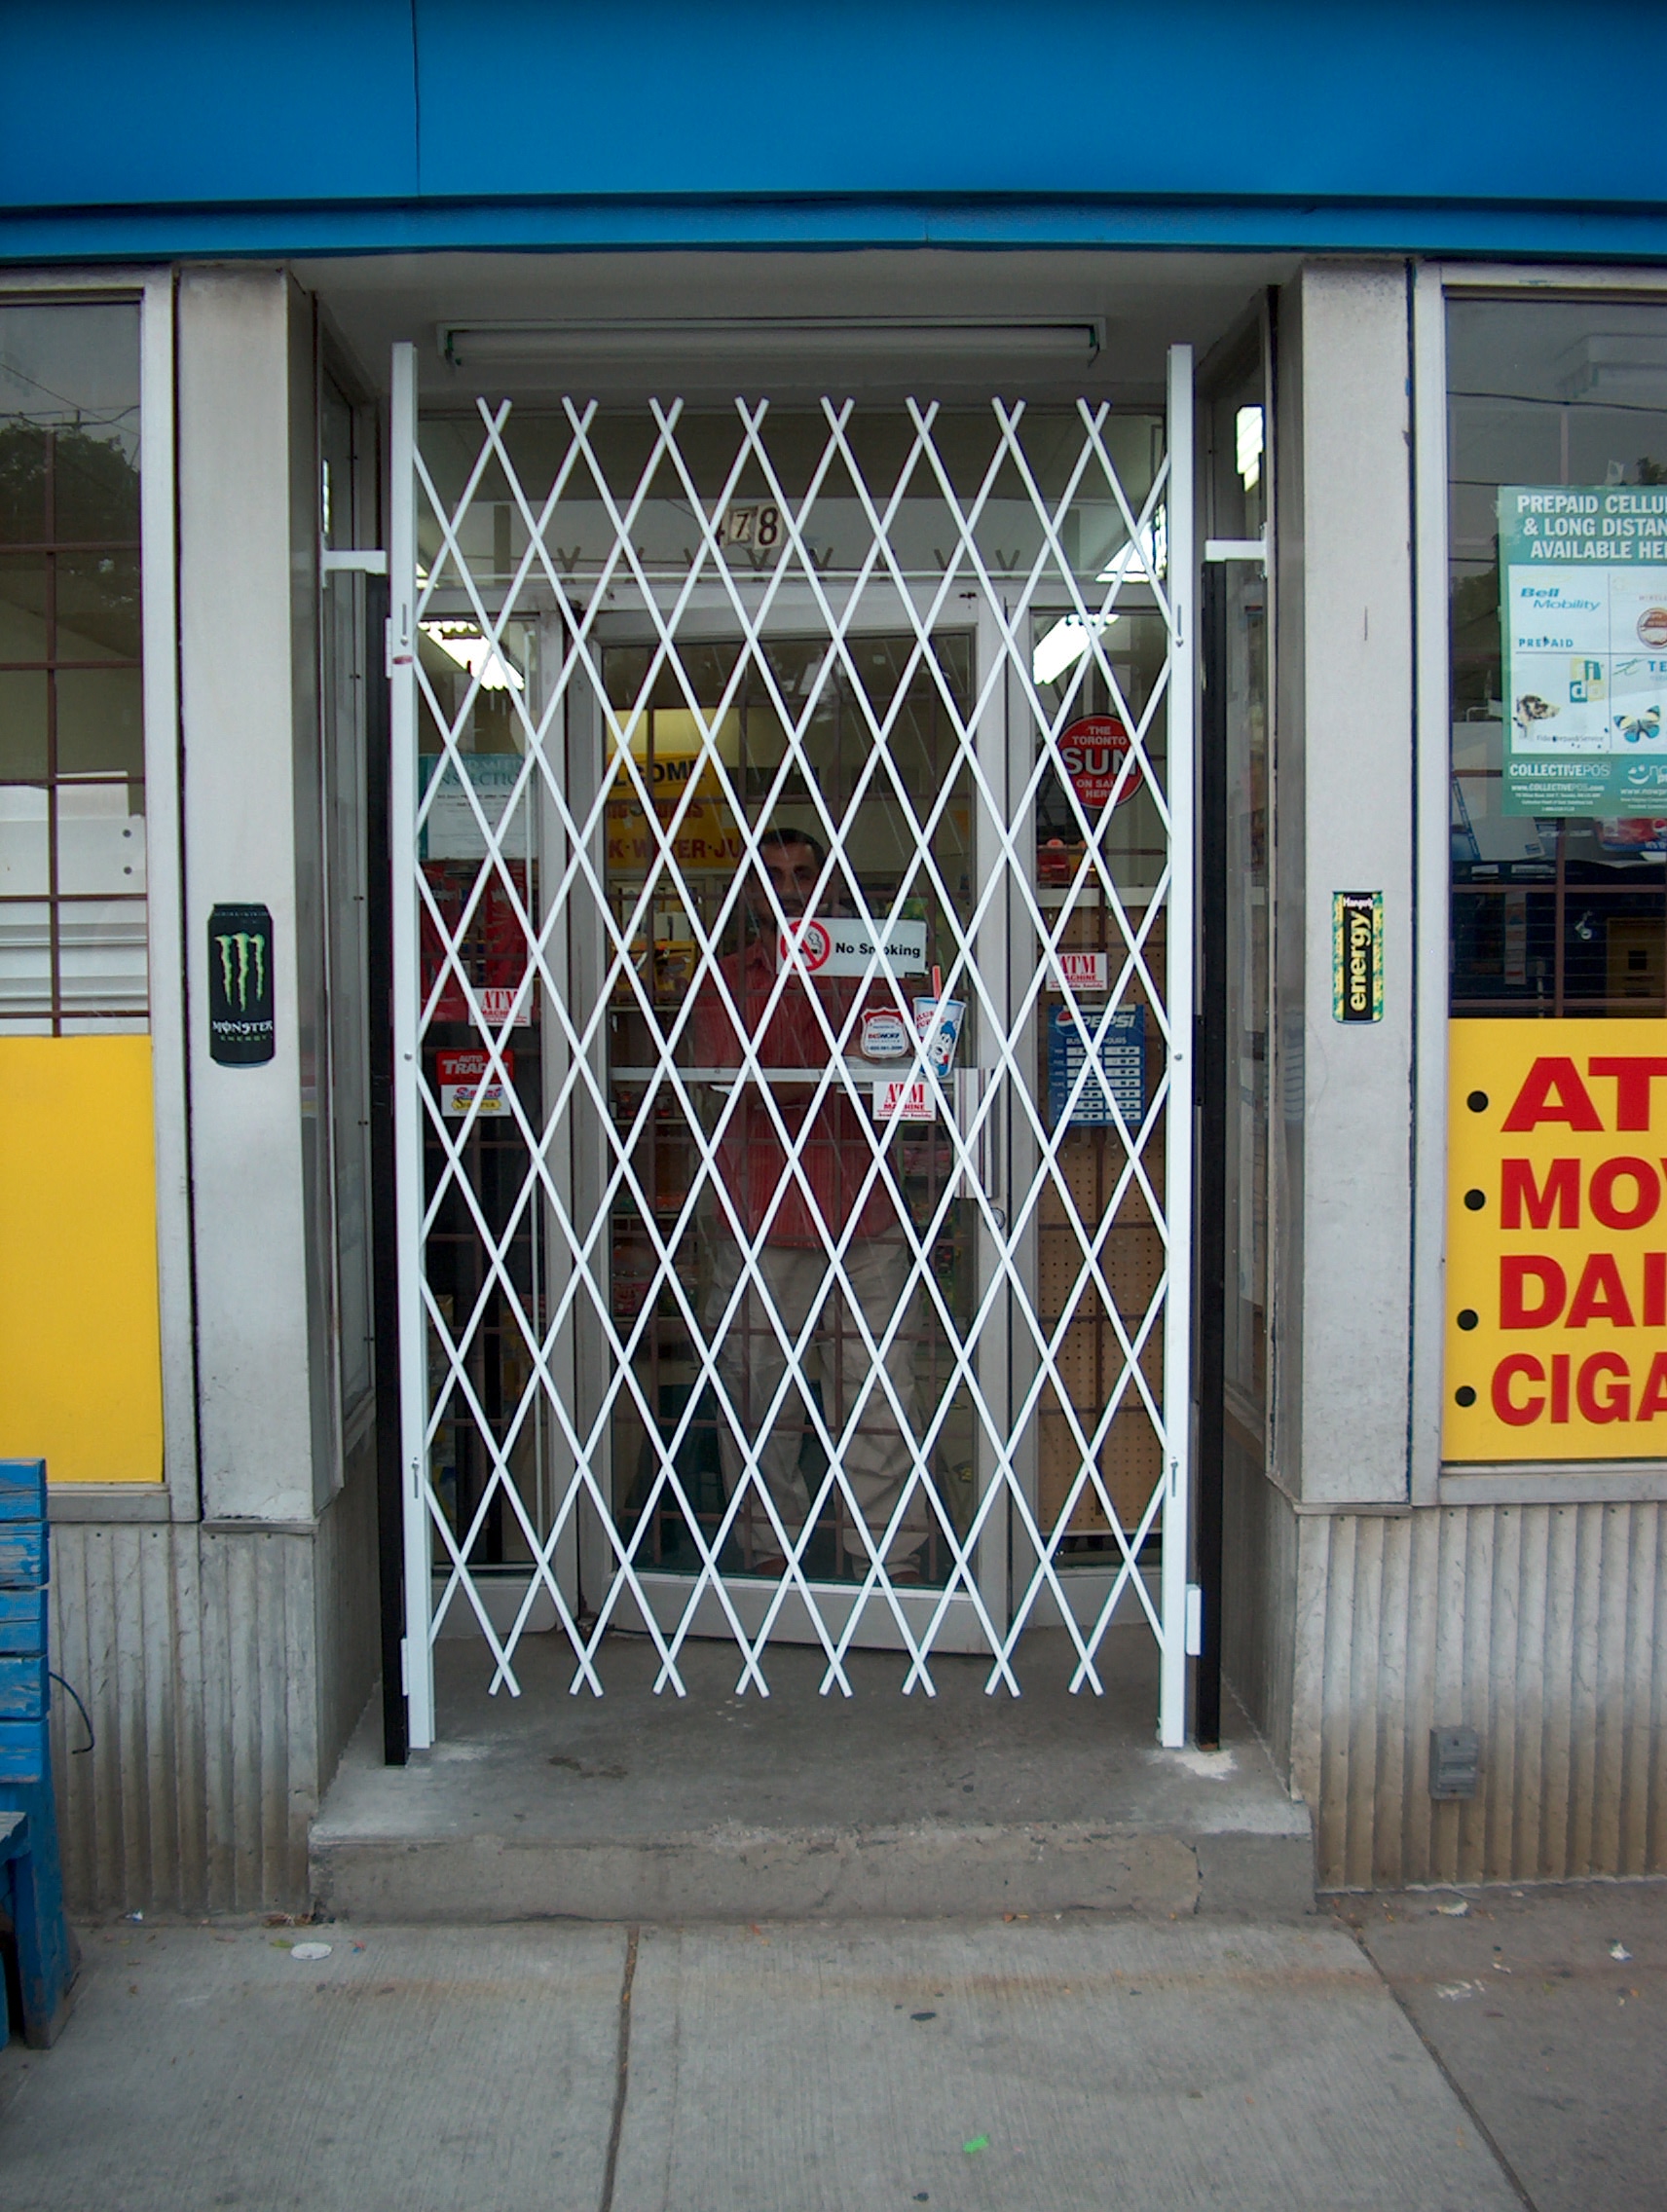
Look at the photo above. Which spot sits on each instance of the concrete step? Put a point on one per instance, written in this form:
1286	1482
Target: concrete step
716	1806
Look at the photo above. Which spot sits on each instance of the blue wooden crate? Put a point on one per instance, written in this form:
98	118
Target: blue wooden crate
25	1691
23	1555
22	1622
22	1489
22	1751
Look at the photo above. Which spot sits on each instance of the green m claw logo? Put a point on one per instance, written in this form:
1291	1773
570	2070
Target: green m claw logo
238	950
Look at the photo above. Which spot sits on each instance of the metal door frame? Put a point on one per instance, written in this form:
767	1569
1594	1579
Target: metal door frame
1175	1623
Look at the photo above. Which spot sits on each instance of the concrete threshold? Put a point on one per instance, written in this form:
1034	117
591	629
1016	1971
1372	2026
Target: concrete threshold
722	1806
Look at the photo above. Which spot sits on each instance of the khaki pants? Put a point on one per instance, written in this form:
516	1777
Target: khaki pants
876	1458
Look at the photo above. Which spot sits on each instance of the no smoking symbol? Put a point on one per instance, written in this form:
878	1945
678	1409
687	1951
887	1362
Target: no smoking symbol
812	944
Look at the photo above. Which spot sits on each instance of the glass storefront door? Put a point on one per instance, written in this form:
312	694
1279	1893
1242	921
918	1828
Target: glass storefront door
799	1403
789	1019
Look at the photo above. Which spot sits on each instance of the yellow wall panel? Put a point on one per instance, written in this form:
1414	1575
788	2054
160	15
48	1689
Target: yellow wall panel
80	1331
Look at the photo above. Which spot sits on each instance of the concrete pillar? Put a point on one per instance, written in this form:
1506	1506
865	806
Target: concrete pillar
238	710
1348	687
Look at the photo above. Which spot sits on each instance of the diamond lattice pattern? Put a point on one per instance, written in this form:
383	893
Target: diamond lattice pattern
793	854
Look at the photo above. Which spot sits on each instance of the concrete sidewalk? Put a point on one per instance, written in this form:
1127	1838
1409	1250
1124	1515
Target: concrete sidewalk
1060	2065
1548	2007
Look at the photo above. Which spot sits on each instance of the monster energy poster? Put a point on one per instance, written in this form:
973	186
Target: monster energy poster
241	1028
1583	610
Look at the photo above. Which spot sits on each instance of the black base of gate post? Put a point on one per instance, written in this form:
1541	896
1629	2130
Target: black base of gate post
384	1242
1210	1255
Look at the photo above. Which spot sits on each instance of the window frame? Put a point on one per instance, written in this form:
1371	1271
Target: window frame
177	1497
1524	1482
354	1410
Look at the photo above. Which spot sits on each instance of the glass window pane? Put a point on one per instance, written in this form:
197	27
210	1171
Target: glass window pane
71	702
22	841
25	965
336	492
100	722
130	1024
100	840
102	956
69	422
95	485
97	607
23	482
22	603
22	724
1552	916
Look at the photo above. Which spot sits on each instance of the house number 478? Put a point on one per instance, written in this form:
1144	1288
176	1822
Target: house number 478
750	526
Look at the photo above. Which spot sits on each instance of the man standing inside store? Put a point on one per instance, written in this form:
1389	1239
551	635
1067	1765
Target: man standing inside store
802	1203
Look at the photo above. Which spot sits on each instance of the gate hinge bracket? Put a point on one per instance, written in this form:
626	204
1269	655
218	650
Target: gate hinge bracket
398	634
1194	1620
360	560
1238	549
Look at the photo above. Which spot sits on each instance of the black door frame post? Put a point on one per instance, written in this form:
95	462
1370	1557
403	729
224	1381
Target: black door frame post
384	1241
1210	1256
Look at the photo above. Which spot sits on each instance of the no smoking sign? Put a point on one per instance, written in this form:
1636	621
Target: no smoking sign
807	944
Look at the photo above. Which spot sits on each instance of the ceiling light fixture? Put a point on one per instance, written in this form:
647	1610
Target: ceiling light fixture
1064	645
807	341
463	643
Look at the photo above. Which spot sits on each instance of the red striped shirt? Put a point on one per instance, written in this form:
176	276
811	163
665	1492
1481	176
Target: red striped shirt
836	1155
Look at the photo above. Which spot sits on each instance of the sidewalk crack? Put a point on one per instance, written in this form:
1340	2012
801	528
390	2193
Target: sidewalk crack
621	2070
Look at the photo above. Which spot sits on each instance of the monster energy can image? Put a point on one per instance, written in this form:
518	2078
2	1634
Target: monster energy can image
240	1029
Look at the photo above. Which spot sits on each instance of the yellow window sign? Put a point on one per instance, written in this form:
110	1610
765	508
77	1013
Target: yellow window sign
674	749
1556	1240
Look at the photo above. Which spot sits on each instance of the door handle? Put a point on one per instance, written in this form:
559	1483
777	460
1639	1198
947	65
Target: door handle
972	1087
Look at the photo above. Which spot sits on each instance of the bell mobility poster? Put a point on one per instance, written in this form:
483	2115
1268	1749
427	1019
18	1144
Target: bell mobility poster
1583	612
1556	1242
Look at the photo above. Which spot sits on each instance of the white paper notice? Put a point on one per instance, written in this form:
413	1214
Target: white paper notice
900	1101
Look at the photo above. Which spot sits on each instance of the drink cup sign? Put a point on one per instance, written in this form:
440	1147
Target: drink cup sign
1093	751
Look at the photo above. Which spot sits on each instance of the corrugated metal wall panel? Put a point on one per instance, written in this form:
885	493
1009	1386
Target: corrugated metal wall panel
1258	1625
1539	1626
206	1658
349	1608
222	1669
119	1803
193	1651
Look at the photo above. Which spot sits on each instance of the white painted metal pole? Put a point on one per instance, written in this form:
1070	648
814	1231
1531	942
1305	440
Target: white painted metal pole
1431	848
1178	996
407	1063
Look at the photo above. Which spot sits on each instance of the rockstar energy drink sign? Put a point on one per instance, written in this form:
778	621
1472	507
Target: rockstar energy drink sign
1556	1242
241	1032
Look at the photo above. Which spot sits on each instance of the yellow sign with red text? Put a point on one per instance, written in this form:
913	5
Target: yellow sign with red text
674	749
1556	1242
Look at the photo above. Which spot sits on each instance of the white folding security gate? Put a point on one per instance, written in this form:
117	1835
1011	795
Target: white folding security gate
793	830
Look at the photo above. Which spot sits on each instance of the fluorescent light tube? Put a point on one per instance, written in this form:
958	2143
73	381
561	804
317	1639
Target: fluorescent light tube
1064	645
